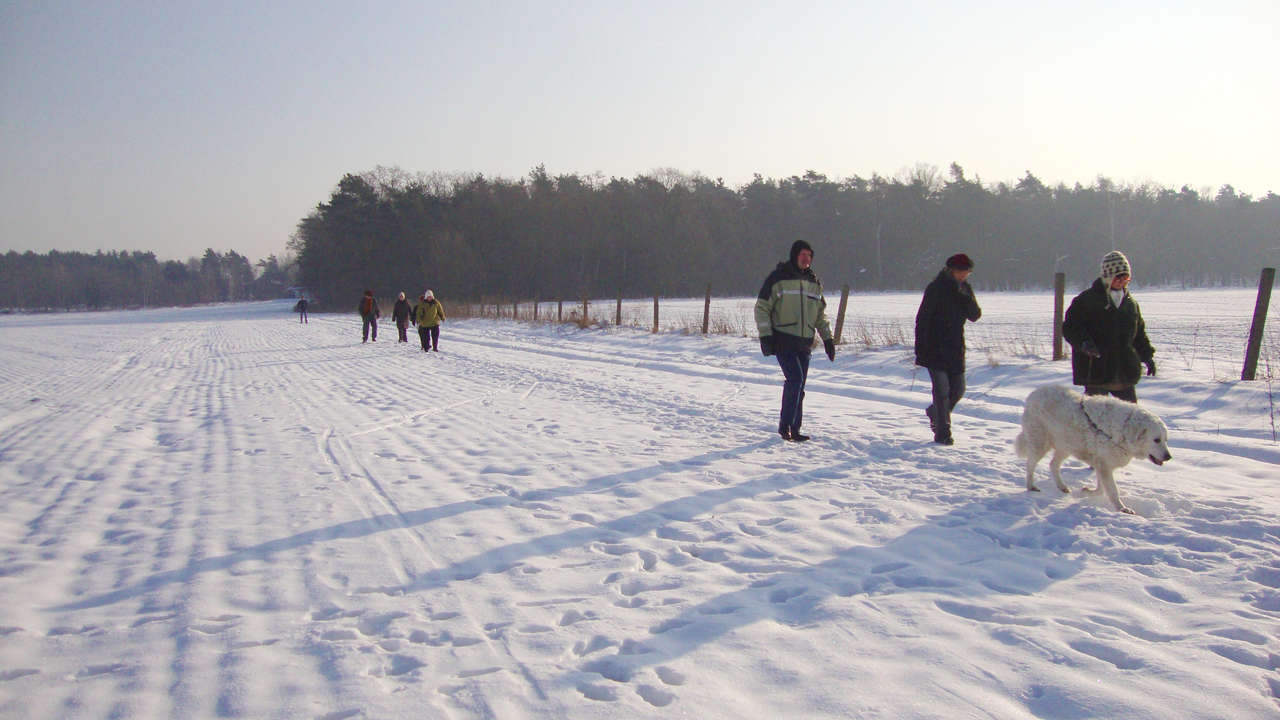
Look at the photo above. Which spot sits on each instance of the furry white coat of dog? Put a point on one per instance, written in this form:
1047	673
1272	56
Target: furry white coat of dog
1104	432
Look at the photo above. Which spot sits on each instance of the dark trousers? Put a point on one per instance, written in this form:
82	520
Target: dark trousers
302	316
795	368
1129	394
430	337
370	324
948	388
403	327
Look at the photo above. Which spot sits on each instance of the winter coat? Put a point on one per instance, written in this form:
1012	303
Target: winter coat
428	313
400	313
940	323
1118	333
790	307
374	311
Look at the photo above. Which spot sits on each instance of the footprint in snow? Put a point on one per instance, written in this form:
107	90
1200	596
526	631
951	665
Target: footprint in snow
670	676
1165	594
783	595
609	669
1247	657
573	617
648	560
668	625
1241	634
602	693
595	644
655	696
1107	654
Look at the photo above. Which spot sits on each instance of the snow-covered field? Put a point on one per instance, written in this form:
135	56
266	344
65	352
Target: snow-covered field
219	512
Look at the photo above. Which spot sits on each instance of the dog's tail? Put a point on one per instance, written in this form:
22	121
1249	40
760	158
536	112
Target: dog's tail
1020	444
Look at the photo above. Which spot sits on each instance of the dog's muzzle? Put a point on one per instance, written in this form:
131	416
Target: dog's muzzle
1159	461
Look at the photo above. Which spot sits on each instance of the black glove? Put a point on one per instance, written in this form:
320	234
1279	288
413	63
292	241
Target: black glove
1088	348
766	345
1151	368
830	346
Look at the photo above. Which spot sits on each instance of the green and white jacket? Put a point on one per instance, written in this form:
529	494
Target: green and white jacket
790	307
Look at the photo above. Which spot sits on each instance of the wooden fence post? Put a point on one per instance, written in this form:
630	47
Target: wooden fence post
515	310
1059	292
844	303
706	312
560	310
535	310
655	312
585	316
618	320
1259	321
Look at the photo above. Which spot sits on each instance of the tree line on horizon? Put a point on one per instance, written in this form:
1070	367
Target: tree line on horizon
565	237
109	280
545	237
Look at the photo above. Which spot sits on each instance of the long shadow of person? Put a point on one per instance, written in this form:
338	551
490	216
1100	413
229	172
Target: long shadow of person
963	558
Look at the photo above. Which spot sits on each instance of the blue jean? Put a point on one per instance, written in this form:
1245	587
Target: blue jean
795	368
948	388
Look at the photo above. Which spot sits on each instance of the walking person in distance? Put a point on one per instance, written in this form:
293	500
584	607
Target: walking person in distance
400	313
428	315
369	314
789	309
947	303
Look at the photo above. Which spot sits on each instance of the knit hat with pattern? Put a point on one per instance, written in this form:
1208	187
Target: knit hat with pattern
1114	263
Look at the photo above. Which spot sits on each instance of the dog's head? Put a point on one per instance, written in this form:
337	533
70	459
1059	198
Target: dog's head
1153	440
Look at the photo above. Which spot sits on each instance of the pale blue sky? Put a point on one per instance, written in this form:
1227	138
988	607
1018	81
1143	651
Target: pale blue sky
174	126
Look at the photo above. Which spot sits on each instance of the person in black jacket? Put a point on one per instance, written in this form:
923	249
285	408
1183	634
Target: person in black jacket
400	313
1107	334
948	301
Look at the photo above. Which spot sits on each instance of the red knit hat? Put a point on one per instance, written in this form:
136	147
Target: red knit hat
960	261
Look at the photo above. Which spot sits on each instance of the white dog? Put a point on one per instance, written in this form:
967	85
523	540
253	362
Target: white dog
1104	432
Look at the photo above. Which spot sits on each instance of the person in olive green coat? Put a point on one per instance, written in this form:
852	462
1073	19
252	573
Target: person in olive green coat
427	315
789	309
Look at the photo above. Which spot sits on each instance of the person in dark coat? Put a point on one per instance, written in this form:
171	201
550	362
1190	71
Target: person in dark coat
400	313
301	309
369	314
1108	337
948	302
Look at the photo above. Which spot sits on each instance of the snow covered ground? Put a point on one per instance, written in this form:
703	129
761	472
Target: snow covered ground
219	512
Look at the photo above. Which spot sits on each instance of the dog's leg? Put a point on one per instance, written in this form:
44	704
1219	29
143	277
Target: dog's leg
1108	483
1034	453
1055	467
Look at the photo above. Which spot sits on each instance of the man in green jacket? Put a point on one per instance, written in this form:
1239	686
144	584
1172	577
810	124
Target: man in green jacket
789	309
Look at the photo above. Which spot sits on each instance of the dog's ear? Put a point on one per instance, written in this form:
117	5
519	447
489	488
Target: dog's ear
1136	433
